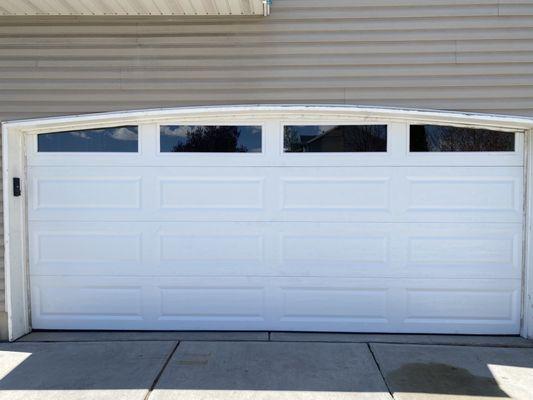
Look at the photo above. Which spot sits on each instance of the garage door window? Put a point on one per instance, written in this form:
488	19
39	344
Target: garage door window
335	138
437	138
121	139
210	139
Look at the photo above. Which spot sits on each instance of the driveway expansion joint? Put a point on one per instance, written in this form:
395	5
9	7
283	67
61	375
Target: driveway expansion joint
162	369
380	370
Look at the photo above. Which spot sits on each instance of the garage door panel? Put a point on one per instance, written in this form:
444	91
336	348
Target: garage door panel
457	306
447	250
210	193
357	194
89	247
232	251
86	193
408	305
462	250
142	193
425	305
474	193
322	304
333	194
212	249
87	301
73	248
336	251
182	303
335	304
463	194
149	303
151	248
401	194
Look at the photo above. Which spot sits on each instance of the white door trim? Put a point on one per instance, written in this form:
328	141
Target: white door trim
527	284
14	165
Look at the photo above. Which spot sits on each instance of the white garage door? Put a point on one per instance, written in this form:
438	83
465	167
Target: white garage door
276	226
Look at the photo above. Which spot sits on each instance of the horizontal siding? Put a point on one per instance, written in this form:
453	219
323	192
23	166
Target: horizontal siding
139	7
468	55
450	54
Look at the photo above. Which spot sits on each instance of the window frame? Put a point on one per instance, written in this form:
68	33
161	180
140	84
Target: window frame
336	154
185	154
518	143
34	144
346	153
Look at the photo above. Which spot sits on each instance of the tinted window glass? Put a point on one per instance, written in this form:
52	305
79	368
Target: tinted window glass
335	138
428	138
122	139
210	139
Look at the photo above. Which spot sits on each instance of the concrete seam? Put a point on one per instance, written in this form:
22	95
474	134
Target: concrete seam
163	367
95	341
411	344
149	340
499	346
269	339
380	371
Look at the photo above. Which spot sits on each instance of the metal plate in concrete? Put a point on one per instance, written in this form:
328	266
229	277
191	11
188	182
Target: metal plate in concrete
415	372
76	371
105	336
267	370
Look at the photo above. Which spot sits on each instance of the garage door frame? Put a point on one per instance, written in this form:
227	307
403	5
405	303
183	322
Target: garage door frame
14	165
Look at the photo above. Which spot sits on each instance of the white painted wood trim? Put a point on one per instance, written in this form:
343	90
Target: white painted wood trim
302	112
527	284
15	239
13	164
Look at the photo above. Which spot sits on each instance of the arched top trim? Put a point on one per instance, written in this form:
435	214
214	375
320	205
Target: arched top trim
244	112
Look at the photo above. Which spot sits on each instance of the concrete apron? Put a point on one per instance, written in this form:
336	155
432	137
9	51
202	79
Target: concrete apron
198	366
415	372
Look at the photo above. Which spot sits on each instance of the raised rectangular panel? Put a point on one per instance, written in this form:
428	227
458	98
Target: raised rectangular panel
334	304
334	249
212	303
87	193
88	302
88	247
213	248
211	193
462	250
457	305
467	194
335	194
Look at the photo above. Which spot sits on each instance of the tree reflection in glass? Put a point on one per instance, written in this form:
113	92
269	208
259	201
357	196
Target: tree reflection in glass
210	139
439	138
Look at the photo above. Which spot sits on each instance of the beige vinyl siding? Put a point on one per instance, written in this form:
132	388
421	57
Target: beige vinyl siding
468	55
138	7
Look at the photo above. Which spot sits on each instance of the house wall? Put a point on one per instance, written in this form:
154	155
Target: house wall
442	54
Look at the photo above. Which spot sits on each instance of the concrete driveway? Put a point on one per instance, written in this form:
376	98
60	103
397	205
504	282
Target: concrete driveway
262	365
